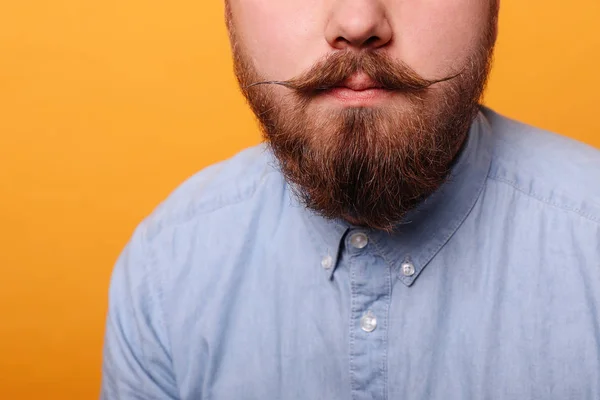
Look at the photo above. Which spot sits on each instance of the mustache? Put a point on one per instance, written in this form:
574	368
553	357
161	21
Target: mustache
337	67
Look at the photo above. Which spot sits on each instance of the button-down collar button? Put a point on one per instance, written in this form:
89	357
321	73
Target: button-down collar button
368	322
408	269
359	240
327	262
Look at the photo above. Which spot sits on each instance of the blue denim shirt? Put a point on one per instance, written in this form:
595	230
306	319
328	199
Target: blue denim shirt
490	289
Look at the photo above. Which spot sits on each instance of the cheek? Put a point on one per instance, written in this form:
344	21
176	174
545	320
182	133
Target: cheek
282	38
438	36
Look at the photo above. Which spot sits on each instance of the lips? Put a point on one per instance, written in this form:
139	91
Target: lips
359	90
359	83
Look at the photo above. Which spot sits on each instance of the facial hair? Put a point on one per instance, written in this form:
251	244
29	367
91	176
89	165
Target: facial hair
366	165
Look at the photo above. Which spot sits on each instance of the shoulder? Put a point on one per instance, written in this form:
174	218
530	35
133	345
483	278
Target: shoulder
218	189
209	219
556	170
172	246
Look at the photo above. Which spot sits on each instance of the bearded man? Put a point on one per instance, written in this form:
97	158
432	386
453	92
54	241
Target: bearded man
391	239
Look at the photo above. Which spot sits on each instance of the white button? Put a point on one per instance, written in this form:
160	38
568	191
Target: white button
359	240
327	262
408	269
368	322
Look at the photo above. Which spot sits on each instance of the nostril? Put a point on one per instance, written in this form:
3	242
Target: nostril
341	39
372	41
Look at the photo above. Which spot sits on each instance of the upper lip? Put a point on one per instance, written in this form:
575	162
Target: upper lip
360	82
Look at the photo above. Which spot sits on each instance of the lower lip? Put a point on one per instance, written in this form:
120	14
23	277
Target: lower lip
358	97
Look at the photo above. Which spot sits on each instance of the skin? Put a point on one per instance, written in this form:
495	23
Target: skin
284	38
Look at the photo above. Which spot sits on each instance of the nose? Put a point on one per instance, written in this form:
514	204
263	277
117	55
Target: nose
358	24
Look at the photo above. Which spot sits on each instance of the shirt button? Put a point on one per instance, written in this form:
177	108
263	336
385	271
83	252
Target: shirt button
368	322
408	269
359	240
327	262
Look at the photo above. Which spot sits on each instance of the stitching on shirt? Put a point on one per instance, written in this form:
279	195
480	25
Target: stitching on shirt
352	327
384	368
545	200
437	247
393	265
158	299
202	208
174	220
138	331
381	252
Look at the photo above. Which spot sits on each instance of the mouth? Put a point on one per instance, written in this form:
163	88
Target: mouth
358	91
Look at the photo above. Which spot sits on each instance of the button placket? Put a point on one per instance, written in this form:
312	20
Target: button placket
370	286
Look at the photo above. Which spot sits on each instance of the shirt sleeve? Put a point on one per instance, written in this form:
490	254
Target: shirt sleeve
136	356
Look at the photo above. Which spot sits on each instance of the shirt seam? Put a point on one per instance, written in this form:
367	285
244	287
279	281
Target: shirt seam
202	208
386	323
545	200
352	327
158	299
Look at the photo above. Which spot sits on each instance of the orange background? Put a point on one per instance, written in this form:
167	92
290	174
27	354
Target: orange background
106	106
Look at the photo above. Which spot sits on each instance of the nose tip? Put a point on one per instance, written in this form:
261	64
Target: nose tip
360	24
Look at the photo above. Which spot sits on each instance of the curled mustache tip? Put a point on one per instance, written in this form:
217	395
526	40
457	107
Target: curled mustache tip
282	83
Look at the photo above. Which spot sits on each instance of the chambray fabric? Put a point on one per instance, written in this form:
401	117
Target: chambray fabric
490	289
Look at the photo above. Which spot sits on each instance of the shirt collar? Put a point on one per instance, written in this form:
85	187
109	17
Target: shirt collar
328	238
426	229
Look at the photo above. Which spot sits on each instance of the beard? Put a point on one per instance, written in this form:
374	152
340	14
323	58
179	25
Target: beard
366	165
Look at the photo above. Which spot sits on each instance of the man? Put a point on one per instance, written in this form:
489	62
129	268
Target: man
391	240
